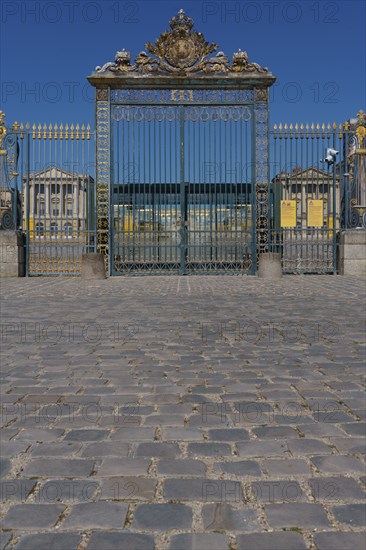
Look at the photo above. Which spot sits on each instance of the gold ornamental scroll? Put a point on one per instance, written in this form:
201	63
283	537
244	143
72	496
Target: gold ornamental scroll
288	213
315	213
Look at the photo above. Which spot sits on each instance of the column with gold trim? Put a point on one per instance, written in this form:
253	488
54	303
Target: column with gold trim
103	171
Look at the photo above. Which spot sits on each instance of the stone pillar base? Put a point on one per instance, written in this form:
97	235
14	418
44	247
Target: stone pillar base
352	252
92	266
12	254
270	266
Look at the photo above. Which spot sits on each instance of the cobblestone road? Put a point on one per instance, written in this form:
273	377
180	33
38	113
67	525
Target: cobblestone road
202	413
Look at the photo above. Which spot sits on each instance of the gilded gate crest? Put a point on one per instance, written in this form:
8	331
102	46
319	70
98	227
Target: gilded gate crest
181	51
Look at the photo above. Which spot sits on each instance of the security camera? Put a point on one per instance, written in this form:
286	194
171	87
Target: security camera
330	157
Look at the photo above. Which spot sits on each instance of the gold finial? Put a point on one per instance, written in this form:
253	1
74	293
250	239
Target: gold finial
55	127
280	126
77	128
88	131
50	131
83	131
21	127
34	130
361	115
296	126
334	126
302	126
323	127
317	126
27	126
61	131
361	133
16	126
67	131
45	131
346	126
72	131
39	136
291	127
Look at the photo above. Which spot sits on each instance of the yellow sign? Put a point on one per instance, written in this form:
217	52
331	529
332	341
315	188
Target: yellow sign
288	213
315	213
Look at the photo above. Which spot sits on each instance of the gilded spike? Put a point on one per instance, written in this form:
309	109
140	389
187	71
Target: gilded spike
301	126
296	126
21	127
317	126
77	128
27	126
88	131
83	131
72	131
312	126
61	131
44	131
307	126
16	126
346	126
323	126
291	126
50	134
55	129
67	131
329	126
285	126
34	131
39	135
280	126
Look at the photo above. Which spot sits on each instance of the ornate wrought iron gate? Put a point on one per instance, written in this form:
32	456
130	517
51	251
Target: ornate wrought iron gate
182	191
182	158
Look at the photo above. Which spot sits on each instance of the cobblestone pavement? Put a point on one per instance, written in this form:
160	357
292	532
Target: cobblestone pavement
183	413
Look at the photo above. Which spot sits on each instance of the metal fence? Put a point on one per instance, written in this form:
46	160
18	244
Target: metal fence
309	178
55	185
182	198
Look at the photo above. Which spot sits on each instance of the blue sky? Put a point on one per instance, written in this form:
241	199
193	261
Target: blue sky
315	48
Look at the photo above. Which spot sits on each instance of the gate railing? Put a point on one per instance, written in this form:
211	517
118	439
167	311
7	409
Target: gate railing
56	188
310	194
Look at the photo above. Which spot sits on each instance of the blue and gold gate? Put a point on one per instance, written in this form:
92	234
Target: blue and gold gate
182	158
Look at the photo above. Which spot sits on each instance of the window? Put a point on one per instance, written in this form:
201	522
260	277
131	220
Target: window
39	229
55	212
69	212
41	211
54	227
68	227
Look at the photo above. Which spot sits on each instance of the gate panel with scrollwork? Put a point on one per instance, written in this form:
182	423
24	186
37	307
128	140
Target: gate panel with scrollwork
183	194
182	158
